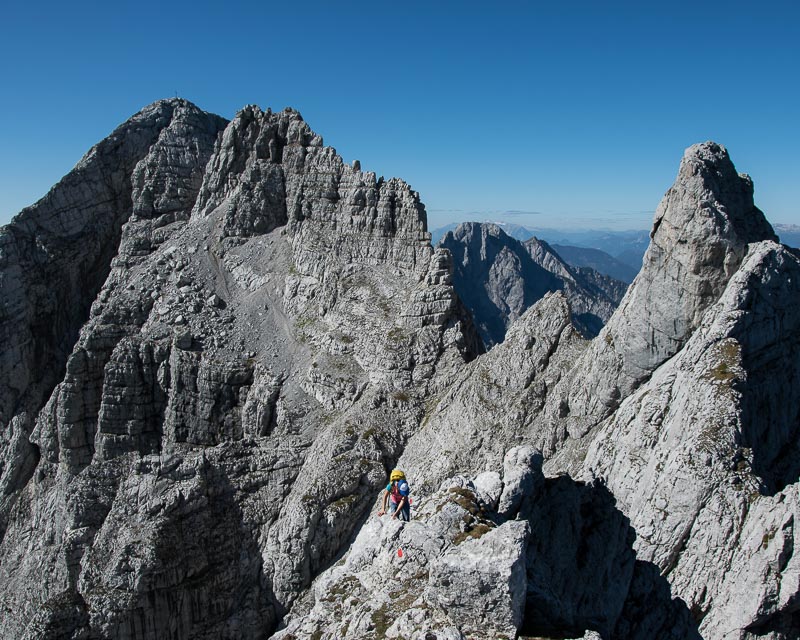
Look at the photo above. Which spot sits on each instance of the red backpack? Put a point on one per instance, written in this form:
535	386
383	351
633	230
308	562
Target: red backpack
396	495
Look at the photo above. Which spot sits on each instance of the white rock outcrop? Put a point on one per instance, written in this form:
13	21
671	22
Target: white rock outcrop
703	457
454	571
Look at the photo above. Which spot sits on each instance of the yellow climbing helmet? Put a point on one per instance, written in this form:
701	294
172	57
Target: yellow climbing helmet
397	475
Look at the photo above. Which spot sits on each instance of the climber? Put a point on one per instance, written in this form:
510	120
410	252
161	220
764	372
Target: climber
396	494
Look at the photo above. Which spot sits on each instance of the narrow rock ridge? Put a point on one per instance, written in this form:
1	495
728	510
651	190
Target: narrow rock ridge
593	297
499	277
490	403
437	568
271	168
478	561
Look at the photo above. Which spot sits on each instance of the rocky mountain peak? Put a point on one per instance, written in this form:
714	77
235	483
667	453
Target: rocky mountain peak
167	104
499	277
700	235
198	285
467	230
57	253
701	232
708	180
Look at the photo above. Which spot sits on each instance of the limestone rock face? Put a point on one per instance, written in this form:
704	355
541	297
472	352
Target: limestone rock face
492	402
499	277
257	318
56	255
454	571
460	569
698	457
703	457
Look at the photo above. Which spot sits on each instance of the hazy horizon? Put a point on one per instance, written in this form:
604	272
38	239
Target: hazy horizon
438	220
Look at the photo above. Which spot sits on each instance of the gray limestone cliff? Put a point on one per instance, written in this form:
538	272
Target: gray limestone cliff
220	337
704	456
698	453
56	255
258	317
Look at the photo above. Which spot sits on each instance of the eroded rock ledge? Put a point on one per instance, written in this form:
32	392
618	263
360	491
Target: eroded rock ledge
478	560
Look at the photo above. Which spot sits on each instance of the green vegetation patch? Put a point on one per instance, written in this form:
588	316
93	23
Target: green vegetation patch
465	499
725	371
474	532
402	599
475	520
344	501
308	500
401	396
767	538
342	589
382	619
302	322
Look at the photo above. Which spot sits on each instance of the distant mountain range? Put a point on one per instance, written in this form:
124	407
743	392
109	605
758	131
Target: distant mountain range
788	234
499	277
598	260
613	253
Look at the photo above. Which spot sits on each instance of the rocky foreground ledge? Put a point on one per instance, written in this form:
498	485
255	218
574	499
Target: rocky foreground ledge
491	557
219	336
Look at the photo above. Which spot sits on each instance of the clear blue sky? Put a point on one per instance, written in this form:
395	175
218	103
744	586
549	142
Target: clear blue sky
578	111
